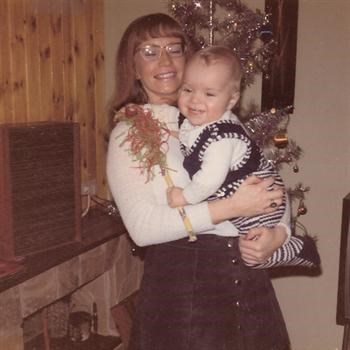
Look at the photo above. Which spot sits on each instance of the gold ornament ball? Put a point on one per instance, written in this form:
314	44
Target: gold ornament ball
281	140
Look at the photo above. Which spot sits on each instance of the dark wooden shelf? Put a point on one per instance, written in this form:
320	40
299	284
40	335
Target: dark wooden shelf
97	228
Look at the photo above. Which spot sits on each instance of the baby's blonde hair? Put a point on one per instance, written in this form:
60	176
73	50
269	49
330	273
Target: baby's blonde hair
213	54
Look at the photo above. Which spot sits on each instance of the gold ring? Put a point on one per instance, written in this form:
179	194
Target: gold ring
273	204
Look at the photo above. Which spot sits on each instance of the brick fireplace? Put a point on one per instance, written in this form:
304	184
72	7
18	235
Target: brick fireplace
103	273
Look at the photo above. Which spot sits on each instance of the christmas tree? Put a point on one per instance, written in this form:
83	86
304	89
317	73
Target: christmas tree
249	34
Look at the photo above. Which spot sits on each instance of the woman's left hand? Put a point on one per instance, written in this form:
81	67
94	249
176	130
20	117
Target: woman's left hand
260	243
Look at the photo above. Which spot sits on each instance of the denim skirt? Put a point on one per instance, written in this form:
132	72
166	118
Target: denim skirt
200	296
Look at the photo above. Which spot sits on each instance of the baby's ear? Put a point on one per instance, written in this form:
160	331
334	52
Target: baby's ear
234	99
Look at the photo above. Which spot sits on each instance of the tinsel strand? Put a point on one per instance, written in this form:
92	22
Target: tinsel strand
248	33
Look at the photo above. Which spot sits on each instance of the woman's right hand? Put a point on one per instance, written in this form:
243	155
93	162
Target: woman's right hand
253	197
260	243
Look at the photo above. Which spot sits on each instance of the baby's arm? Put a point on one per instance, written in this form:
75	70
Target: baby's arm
216	164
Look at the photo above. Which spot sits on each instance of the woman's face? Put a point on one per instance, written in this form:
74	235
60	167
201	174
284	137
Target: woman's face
159	65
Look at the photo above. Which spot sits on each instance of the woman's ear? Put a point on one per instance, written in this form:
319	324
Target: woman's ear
234	99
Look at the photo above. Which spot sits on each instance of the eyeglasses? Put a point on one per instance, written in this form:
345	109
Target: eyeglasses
153	52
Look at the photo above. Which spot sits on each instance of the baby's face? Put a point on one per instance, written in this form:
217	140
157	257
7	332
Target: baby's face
207	92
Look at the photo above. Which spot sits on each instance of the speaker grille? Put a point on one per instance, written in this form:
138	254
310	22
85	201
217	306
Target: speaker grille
43	173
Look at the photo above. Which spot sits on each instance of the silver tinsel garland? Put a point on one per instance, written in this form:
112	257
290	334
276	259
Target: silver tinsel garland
231	23
269	130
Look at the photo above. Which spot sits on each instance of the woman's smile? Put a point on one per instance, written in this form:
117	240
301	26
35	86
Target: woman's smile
165	75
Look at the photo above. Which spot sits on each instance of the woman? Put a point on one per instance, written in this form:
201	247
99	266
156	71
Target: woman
193	295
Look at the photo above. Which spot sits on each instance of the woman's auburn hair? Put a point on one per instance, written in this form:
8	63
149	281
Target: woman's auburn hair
128	88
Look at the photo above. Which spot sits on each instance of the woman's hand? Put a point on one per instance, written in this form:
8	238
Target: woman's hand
251	198
260	243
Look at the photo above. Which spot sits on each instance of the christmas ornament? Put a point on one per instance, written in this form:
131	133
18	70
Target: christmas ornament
268	129
298	193
147	138
302	210
281	140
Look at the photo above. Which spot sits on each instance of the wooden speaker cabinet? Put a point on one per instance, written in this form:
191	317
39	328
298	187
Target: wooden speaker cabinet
40	205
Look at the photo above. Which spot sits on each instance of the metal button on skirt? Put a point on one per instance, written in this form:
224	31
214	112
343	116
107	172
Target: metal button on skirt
200	296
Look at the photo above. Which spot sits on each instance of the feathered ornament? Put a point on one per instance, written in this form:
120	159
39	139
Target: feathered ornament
148	144
147	137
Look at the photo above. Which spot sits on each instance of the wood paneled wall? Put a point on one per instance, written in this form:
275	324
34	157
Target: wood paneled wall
52	68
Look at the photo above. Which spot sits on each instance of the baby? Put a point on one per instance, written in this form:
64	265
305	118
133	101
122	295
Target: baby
218	153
